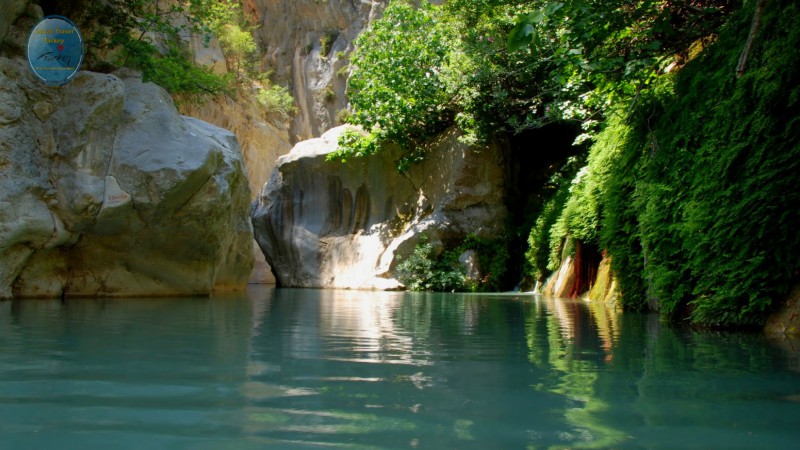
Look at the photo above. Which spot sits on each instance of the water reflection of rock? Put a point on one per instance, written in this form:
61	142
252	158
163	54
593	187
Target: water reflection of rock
366	320
576	318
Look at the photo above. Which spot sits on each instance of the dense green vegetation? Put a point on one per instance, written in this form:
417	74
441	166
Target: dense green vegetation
690	185
150	35
695	186
431	268
718	198
424	270
494	66
145	35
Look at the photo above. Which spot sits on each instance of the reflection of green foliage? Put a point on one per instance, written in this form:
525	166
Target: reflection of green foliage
461	429
572	376
276	418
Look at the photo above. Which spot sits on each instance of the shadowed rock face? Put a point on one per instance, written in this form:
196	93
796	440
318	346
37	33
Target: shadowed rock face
106	190
343	225
292	34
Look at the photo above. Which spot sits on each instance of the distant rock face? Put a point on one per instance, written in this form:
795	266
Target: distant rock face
343	225
106	190
292	34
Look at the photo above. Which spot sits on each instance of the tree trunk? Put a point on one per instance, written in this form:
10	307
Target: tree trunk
748	46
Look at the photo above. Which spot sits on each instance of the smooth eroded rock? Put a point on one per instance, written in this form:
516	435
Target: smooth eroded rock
106	190
331	224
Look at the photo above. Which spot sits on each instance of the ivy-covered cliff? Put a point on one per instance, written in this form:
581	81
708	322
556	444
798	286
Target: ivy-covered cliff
693	191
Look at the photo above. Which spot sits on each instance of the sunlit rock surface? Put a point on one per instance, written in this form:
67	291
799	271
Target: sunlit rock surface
344	225
106	190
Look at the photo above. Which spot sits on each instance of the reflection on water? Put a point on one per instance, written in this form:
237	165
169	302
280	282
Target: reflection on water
306	368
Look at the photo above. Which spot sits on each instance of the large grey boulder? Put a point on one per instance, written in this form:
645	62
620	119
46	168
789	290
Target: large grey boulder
346	225
106	190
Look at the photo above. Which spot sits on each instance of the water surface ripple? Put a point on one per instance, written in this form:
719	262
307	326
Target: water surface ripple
285	368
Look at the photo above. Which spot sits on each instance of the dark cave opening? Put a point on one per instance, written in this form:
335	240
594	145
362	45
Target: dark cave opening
534	156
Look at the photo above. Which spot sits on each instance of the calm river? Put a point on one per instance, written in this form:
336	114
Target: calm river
286	368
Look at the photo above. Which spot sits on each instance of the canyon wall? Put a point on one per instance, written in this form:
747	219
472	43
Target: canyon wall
306	43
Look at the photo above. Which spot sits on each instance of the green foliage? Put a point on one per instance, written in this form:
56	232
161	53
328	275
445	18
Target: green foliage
342	116
702	198
329	95
494	90
424	271
494	66
620	225
395	86
493	259
326	42
581	205
178	75
604	52
119	32
538	258
238	44
353	144
213	16
277	101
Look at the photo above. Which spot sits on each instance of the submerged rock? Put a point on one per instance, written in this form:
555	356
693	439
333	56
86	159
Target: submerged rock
106	190
346	225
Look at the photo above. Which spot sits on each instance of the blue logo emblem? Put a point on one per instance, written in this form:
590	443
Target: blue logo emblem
55	50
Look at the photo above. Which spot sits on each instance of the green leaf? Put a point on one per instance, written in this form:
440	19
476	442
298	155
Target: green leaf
521	36
536	17
552	8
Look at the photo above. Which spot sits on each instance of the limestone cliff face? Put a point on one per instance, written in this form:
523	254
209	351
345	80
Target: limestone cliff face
292	34
343	225
106	190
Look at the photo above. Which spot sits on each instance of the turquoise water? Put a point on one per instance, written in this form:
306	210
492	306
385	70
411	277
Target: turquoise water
282	368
